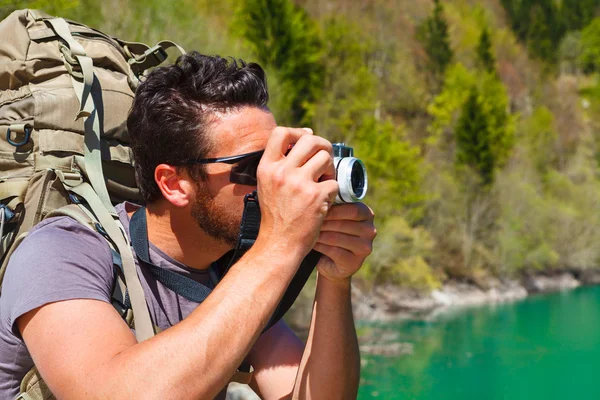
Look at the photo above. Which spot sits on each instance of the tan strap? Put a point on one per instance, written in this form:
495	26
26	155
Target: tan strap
10	253
33	387
61	28
166	44
73	211
84	89
13	188
144	57
111	224
87	108
19	128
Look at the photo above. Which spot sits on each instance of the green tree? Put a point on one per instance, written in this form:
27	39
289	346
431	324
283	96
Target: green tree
436	40
539	39
519	13
394	167
473	139
350	87
284	37
590	46
471	115
543	23
485	54
578	13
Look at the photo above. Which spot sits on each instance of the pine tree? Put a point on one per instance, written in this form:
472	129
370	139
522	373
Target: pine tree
539	37
520	17
577	14
436	40
590	47
283	37
473	147
542	24
485	55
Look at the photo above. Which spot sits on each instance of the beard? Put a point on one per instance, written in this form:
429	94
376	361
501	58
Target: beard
217	223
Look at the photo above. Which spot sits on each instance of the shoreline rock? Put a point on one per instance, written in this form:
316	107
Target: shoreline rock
545	284
387	303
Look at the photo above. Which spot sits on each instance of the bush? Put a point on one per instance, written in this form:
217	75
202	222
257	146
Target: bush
399	256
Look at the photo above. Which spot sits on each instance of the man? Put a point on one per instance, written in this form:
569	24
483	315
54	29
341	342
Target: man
55	307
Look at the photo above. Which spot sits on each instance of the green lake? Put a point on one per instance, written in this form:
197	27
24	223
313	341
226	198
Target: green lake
544	347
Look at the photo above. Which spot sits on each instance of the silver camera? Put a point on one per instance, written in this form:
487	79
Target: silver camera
350	173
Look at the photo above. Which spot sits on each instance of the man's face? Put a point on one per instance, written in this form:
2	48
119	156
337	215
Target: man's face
219	204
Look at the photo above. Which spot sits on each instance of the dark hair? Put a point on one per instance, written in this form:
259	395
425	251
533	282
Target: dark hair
170	115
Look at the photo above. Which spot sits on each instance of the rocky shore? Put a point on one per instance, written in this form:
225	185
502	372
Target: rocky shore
388	303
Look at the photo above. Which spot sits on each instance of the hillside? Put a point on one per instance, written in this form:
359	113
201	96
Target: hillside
477	120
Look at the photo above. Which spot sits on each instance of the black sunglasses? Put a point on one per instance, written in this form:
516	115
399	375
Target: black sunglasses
244	172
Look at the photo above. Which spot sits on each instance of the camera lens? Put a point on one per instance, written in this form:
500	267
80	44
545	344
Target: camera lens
351	176
357	179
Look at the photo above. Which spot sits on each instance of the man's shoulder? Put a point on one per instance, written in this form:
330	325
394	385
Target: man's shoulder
60	259
61	238
60	223
64	232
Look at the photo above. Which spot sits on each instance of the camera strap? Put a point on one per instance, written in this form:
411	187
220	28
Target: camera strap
248	233
197	292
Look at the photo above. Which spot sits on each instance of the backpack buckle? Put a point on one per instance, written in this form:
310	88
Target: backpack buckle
18	129
69	179
152	57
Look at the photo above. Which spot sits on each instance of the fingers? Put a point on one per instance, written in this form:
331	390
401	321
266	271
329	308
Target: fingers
320	165
350	211
330	188
356	245
355	228
306	148
280	141
339	255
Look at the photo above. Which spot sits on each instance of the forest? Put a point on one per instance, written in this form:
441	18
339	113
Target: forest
478	120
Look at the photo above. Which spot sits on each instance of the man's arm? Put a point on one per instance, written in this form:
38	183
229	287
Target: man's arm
275	357
84	350
329	366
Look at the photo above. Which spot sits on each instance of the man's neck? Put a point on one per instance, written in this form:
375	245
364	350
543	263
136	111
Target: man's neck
178	236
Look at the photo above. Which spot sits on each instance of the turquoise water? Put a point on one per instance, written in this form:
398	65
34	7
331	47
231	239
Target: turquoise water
545	347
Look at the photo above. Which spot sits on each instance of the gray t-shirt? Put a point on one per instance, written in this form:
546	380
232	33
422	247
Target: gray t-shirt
61	260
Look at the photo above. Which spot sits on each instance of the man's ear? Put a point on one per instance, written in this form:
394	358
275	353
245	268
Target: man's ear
175	184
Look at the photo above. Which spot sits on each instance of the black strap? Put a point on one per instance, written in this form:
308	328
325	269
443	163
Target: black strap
248	228
248	233
119	300
197	292
182	285
295	287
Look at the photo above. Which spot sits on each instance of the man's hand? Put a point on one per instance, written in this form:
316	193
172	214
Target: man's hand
330	366
295	188
346	239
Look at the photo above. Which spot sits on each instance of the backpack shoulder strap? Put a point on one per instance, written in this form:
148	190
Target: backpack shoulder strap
111	225
120	296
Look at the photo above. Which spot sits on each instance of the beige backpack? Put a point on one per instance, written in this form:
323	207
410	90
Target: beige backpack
65	92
